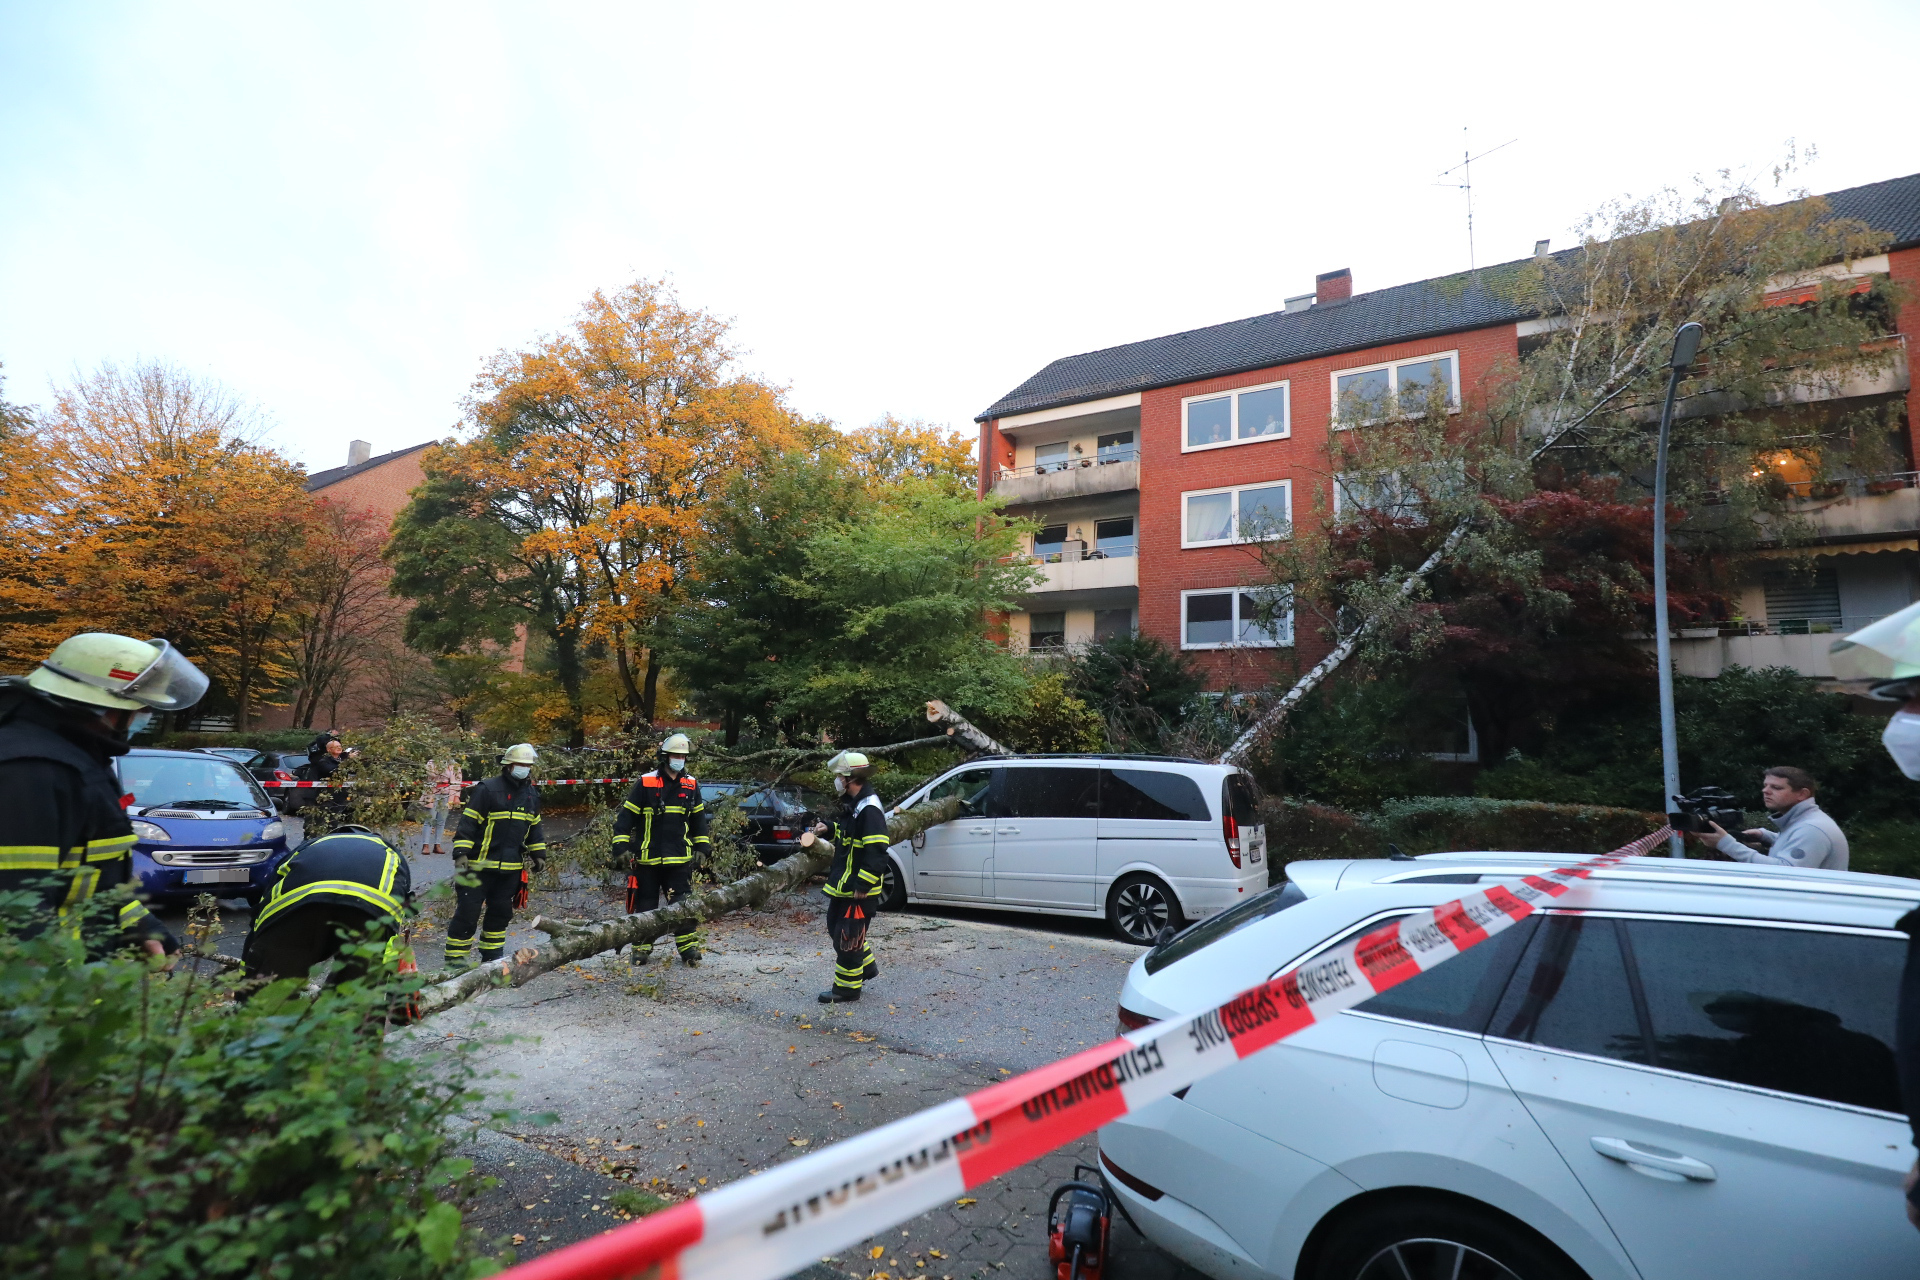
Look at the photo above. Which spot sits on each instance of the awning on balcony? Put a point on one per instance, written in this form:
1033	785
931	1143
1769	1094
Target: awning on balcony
1839	549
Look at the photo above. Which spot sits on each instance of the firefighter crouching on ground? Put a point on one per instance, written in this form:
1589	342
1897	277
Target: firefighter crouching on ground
63	830
859	836
662	826
497	849
332	891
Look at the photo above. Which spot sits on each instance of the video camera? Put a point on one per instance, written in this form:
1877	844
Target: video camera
1704	807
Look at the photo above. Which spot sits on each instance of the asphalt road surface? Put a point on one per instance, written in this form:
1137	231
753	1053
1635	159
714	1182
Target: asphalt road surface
673	1079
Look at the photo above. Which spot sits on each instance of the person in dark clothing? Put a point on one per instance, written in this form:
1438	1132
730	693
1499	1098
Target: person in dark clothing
329	807
67	834
854	879
334	890
498	847
662	827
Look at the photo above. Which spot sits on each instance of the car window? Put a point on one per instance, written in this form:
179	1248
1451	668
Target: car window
1571	992
1795	1010
1150	795
164	780
1462	992
1049	791
1205	933
1240	798
973	786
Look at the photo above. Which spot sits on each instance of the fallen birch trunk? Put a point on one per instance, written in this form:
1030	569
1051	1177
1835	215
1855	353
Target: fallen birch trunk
571	942
939	712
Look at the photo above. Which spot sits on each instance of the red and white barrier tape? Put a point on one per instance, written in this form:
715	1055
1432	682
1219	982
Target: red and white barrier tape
772	1224
543	782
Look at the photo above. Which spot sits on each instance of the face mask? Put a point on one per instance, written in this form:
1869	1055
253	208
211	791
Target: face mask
138	721
839	784
519	772
677	763
1902	741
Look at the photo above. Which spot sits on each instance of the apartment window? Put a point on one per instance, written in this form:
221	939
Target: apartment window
1384	494
1222	619
1050	457
1046	631
1114	537
1049	542
1235	417
1117	447
1248	513
1111	623
1370	394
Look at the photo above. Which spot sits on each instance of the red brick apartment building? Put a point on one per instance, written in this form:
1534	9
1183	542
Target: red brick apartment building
1140	461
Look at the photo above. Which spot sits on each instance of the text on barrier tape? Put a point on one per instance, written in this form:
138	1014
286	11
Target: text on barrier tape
543	782
772	1224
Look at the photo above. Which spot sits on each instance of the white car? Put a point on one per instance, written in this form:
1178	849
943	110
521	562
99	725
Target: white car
1682	1071
1150	842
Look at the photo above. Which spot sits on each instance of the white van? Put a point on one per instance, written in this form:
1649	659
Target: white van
1149	842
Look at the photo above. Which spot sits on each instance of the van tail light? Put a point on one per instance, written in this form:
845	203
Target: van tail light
783	833
1230	828
1131	1021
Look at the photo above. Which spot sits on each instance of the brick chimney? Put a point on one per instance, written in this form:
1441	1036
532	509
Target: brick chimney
358	451
1332	286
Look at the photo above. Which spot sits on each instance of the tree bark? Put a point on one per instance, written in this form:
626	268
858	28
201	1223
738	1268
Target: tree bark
649	692
570	942
939	712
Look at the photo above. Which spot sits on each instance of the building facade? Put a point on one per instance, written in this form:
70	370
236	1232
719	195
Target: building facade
1144	463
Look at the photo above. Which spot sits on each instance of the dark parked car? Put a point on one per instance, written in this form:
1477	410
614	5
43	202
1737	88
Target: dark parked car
271	766
201	824
775	816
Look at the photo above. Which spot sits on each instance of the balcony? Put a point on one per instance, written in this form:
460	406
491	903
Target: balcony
1859	506
1117	472
1086	580
1704	652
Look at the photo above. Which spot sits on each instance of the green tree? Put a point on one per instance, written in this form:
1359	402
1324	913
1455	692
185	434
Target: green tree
1141	687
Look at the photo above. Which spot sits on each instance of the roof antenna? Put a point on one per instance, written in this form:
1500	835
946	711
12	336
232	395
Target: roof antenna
1396	854
1465	169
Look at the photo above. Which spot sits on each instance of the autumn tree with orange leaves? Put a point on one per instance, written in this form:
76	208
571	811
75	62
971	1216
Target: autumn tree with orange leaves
573	504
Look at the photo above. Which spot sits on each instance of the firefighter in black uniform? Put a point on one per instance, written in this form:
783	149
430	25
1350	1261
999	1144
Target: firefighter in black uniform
64	831
498	848
854	880
336	889
662	827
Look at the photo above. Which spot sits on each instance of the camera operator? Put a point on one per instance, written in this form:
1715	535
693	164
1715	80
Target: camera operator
1806	836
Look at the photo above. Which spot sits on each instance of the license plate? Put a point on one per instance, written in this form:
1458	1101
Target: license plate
1256	847
219	875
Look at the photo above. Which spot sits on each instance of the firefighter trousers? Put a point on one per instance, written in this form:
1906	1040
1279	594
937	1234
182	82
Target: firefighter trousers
847	920
647	884
494	890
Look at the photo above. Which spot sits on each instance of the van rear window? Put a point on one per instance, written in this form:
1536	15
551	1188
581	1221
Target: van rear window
1151	796
1241	798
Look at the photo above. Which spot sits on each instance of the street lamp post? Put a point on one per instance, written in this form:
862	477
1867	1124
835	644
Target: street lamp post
1686	344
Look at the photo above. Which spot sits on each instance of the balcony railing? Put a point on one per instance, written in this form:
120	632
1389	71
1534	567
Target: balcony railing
1107	458
1075	555
1851	486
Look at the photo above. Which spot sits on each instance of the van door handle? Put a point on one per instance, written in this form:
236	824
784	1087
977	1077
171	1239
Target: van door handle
1656	1162
1009	831
979	831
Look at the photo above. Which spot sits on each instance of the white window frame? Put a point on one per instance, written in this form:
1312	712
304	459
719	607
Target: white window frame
1236	490
1233	395
1393	385
1286	627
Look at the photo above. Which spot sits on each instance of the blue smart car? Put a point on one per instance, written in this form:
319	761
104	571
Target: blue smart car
201	825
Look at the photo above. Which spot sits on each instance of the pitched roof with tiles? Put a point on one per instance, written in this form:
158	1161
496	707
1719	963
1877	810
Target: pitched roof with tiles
1426	308
334	475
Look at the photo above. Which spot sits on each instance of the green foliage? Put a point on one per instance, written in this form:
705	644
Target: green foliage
159	1129
1049	718
1142	688
1356	743
1729	729
732	854
272	740
1430	824
636	1202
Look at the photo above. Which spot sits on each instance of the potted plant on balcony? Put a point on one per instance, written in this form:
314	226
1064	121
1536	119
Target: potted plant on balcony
1826	489
1886	484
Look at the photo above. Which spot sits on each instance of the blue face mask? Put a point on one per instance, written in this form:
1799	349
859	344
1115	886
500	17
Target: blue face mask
519	772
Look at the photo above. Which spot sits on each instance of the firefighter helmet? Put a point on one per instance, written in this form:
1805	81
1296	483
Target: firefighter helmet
676	744
520	753
850	763
120	672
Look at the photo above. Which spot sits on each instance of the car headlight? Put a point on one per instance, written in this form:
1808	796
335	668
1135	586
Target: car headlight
273	830
149	831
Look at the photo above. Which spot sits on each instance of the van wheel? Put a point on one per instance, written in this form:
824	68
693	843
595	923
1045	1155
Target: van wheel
893	893
1392	1241
1140	907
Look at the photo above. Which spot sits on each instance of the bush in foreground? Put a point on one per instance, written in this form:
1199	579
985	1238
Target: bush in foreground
157	1128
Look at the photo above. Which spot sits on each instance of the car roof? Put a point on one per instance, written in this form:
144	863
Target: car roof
1093	755
178	755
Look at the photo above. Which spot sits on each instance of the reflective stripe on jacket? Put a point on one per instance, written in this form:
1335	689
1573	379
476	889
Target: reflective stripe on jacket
349	870
500	826
859	849
663	821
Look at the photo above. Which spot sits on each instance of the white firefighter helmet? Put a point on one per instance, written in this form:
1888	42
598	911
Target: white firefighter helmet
1886	652
520	753
677	744
850	763
120	672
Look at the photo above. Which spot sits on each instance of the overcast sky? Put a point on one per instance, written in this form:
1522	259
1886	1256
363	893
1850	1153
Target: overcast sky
340	210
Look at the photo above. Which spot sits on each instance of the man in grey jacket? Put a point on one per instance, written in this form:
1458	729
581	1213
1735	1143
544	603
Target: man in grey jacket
1806	836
